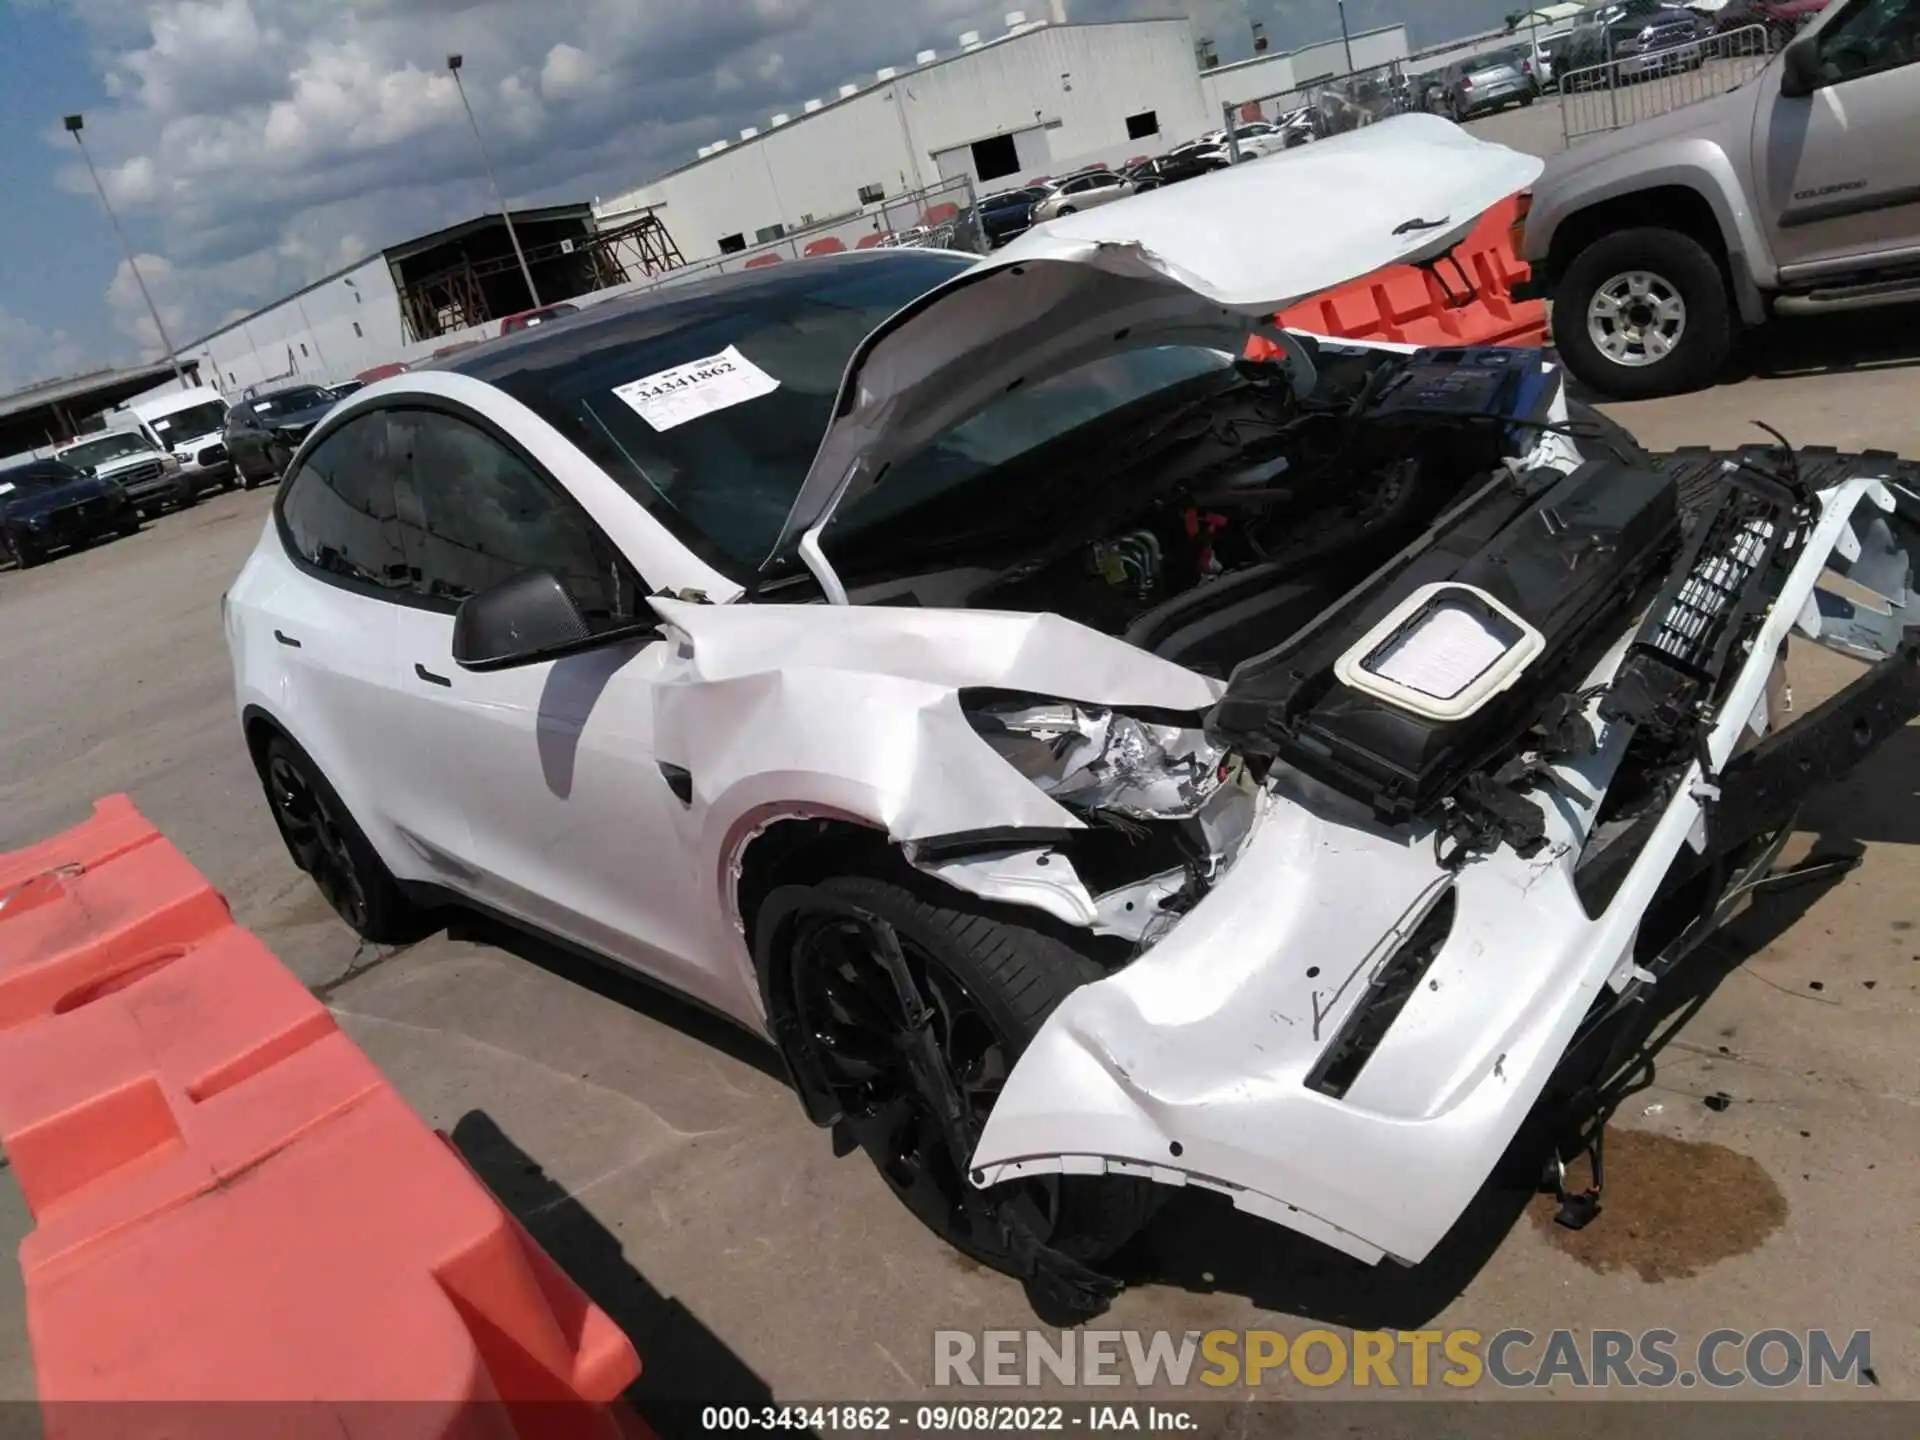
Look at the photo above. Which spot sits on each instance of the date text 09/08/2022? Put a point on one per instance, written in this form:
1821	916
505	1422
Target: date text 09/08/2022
948	1419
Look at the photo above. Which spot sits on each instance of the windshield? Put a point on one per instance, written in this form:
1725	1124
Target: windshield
194	420
723	477
93	453
723	470
287	402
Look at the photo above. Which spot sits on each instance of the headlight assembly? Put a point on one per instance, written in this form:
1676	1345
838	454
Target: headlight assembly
1090	758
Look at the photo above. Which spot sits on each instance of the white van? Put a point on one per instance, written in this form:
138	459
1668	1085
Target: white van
191	426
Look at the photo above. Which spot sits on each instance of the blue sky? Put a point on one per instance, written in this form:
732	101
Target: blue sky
59	256
251	146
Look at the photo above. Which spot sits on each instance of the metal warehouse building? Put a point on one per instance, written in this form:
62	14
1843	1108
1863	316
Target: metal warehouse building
1041	99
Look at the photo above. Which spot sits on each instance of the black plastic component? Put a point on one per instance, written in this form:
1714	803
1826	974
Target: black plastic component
1387	995
1455	382
1723	584
679	780
1565	561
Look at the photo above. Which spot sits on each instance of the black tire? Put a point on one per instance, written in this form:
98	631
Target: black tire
1701	346
19	549
1526	101
130	526
990	980
189	497
325	842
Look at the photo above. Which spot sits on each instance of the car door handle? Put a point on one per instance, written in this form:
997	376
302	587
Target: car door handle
286	639
431	678
1407	227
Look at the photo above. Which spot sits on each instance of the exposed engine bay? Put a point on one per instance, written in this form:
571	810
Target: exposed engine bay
1406	612
1238	520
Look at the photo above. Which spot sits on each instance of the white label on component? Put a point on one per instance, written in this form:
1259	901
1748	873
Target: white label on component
1443	654
700	387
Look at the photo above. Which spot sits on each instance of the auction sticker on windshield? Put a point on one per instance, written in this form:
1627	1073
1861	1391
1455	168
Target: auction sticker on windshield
700	387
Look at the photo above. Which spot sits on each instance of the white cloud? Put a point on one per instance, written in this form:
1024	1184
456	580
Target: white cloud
130	313
29	353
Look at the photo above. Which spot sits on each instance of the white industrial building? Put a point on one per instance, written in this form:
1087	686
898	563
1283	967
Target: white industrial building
1042	98
1281	72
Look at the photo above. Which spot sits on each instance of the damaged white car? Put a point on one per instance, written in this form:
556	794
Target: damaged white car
1099	762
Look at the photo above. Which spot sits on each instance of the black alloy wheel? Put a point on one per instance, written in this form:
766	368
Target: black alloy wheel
326	842
912	1013
309	818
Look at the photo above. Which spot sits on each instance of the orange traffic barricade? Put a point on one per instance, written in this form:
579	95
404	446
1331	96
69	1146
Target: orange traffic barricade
232	1205
1464	298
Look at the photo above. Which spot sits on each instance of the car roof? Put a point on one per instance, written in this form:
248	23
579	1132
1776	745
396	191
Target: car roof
286	389
641	316
79	440
39	470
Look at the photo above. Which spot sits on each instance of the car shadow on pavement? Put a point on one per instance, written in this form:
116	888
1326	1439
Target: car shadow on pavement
1200	1243
623	987
1790	345
683	1364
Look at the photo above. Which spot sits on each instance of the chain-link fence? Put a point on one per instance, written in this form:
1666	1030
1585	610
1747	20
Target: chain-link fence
942	216
1317	110
1622	88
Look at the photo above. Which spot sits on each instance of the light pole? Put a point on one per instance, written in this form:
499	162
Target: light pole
74	124
454	62
1345	38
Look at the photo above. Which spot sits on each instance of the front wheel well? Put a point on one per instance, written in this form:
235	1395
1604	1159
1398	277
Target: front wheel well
1666	207
261	730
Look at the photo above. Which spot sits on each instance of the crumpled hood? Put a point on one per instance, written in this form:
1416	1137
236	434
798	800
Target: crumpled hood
1201	264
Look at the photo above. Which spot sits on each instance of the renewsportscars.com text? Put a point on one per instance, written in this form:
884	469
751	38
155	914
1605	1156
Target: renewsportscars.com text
1413	1359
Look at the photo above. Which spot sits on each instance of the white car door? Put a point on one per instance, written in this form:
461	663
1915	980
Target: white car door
326	598
571	825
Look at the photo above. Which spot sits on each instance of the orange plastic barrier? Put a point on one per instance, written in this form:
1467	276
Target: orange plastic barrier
1467	299
231	1203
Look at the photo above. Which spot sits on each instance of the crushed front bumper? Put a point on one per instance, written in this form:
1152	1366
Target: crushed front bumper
1200	1063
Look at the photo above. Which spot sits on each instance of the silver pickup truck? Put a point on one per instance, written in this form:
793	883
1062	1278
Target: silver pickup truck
1796	193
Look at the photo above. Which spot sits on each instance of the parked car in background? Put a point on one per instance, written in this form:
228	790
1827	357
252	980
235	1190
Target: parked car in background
1782	19
48	505
191	424
1486	83
344	388
1008	214
146	474
1256	138
1792	194
1659	44
1082	192
1622	43
264	430
527	319
1186	163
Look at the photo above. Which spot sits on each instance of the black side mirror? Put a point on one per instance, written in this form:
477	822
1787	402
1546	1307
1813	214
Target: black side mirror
1800	68
526	620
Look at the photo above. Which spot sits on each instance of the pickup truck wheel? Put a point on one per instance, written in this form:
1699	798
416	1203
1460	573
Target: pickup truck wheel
1643	313
907	1000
